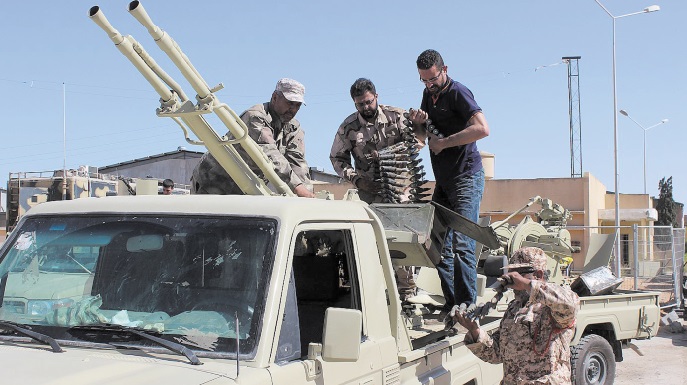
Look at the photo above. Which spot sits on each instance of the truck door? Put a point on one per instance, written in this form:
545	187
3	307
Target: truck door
325	274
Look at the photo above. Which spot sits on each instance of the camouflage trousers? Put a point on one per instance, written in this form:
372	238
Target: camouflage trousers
405	281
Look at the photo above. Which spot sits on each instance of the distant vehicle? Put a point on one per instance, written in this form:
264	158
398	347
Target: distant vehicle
28	189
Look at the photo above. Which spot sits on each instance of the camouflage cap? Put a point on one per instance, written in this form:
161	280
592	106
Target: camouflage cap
292	90
528	257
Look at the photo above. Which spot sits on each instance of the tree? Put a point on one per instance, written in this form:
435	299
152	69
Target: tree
666	206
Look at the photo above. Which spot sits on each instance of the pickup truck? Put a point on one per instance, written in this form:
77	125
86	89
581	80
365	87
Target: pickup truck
604	325
206	289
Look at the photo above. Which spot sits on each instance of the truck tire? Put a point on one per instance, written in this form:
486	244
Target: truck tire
592	361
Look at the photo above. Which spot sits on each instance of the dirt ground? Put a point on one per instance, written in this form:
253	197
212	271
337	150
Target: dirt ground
660	360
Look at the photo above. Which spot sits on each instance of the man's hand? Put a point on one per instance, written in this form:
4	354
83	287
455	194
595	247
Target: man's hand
417	116
436	144
515	281
460	315
303	191
368	185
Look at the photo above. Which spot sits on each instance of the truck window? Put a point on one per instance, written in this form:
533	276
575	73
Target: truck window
185	278
324	276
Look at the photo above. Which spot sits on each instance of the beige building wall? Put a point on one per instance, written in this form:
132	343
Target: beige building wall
579	195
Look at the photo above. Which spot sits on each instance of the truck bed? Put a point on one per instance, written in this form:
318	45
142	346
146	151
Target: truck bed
631	313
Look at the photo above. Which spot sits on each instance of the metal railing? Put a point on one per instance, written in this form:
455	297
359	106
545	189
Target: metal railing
652	259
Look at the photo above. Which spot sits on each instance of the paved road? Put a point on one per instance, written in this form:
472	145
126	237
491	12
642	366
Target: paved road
664	360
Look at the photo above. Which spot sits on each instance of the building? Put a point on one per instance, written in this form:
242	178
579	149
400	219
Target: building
3	213
176	165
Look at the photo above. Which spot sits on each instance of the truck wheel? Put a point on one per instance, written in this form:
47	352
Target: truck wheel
592	361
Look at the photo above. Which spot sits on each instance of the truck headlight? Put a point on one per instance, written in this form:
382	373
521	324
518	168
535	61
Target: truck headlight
44	307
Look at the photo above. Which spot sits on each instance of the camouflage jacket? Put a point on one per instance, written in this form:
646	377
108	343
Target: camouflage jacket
533	342
283	143
361	139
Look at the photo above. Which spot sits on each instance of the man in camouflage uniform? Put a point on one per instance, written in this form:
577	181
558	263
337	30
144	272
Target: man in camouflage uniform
272	125
533	342
361	135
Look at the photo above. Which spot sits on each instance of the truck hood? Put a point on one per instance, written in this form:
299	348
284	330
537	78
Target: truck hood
33	364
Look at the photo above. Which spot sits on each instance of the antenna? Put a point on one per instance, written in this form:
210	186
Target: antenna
575	115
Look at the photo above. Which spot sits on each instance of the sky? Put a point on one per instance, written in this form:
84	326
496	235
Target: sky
69	96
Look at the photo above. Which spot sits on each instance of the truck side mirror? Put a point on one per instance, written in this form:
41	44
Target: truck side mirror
341	336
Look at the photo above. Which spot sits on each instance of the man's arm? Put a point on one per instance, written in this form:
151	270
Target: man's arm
562	301
484	346
262	133
475	129
340	156
295	155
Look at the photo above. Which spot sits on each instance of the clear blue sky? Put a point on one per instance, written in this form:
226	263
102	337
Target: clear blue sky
493	47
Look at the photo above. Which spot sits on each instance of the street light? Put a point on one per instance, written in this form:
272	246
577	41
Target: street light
652	8
623	112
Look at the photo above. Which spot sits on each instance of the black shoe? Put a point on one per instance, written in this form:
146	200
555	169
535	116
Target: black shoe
448	322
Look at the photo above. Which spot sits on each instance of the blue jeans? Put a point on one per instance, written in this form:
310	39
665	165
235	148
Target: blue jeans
458	266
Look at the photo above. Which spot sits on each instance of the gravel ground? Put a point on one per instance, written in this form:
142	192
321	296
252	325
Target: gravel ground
661	360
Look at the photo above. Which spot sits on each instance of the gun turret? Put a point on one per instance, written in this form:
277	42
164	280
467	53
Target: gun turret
175	105
549	235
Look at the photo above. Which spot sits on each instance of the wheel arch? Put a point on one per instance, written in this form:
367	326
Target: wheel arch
605	330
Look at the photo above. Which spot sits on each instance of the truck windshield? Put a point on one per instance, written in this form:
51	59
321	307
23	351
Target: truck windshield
186	279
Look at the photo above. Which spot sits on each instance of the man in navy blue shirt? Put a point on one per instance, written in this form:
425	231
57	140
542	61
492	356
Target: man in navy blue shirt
457	167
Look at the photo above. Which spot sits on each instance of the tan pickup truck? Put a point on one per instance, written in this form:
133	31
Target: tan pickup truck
213	290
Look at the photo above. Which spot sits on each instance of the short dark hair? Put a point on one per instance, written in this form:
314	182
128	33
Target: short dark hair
168	183
361	86
429	58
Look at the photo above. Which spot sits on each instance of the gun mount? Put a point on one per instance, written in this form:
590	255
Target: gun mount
176	105
548	233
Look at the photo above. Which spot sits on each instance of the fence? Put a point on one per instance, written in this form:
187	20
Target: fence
651	258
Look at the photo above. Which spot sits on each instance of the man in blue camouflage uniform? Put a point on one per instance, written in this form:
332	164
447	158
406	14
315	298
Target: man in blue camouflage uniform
533	342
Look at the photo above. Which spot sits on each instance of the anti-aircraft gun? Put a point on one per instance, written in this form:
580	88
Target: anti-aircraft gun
175	104
548	232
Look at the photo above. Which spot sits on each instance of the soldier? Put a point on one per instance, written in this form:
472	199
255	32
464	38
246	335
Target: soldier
273	126
167	187
361	135
533	342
